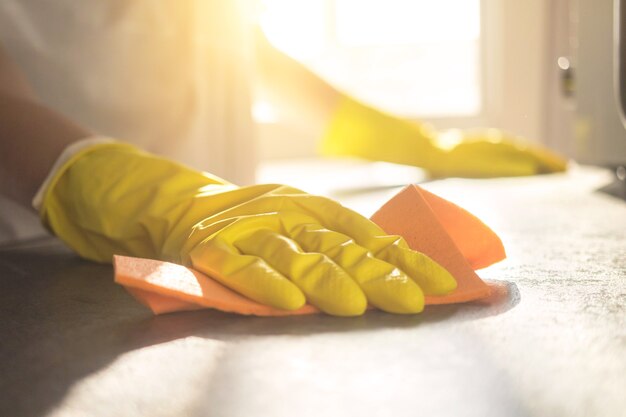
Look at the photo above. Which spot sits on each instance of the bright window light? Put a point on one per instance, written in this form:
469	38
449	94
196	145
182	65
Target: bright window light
406	22
296	27
411	57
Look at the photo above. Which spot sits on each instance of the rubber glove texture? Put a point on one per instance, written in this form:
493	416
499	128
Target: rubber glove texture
360	131
274	244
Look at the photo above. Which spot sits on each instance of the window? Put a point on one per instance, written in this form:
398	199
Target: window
454	63
414	58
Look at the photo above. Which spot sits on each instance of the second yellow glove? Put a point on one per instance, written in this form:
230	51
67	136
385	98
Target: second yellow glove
361	131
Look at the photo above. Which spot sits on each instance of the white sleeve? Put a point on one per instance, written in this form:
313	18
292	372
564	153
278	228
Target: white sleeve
65	156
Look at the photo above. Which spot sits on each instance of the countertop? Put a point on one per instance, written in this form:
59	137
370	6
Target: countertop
73	343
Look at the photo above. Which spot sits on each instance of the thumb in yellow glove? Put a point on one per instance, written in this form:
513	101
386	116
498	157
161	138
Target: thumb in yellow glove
272	243
361	131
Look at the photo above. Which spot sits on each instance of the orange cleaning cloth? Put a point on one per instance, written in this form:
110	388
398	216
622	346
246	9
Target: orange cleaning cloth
165	287
450	235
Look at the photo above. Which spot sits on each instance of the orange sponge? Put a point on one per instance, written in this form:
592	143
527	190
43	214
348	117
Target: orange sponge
445	232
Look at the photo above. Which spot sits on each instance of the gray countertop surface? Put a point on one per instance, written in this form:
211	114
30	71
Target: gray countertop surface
75	344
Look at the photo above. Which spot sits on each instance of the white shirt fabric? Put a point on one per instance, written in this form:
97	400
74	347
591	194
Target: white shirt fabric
171	77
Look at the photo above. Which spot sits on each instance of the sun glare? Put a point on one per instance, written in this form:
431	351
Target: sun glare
298	27
410	57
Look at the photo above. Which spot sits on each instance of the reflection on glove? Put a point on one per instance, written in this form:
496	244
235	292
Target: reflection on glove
357	130
274	244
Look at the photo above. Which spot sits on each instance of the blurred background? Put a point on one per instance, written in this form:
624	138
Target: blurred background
549	71
541	69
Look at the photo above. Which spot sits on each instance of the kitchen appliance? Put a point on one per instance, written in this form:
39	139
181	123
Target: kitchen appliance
599	135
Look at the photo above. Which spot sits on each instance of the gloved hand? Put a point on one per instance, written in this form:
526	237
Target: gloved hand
492	153
358	130
272	243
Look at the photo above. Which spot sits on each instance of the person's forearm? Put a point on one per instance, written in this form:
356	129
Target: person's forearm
299	96
32	135
12	81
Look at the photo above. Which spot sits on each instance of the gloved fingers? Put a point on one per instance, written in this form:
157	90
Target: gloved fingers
333	216
307	209
496	146
385	286
248	275
432	278
548	161
514	166
543	159
325	284
478	168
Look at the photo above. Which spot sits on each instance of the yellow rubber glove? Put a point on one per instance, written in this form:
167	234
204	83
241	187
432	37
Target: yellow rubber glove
358	130
272	243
